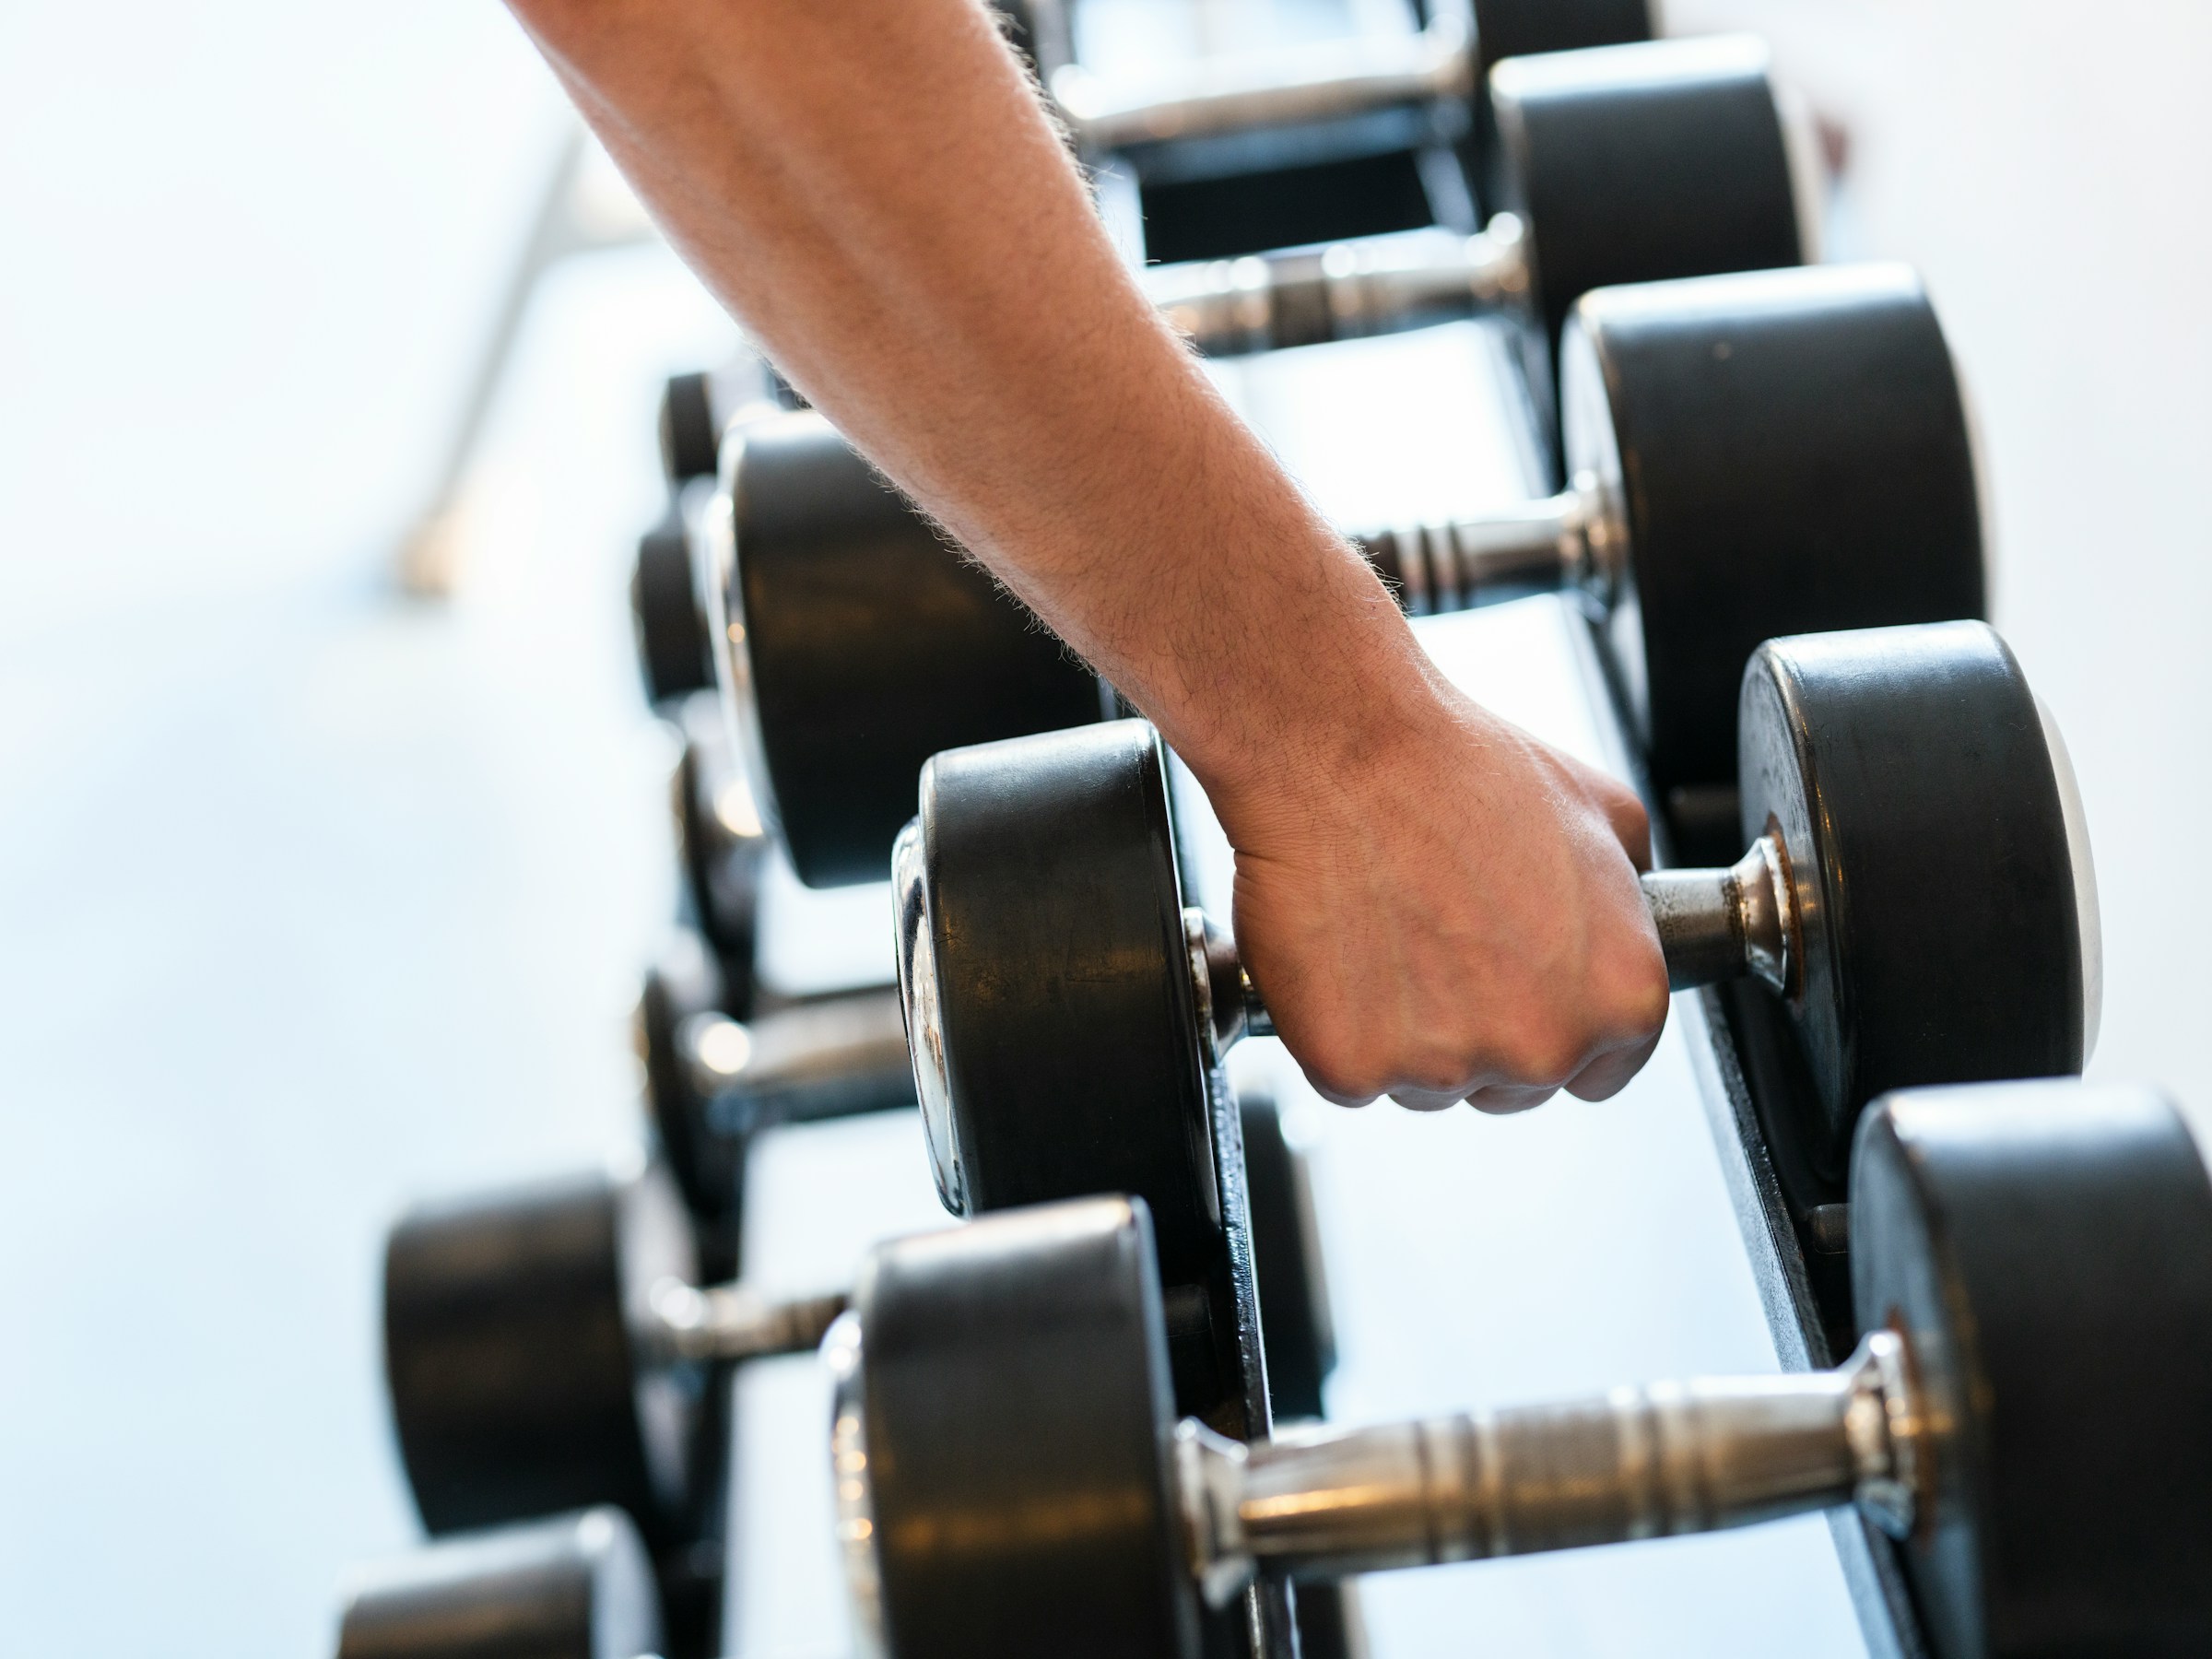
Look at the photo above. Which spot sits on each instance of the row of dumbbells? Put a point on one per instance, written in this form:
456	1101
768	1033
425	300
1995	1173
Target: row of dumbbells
2024	1413
1745	458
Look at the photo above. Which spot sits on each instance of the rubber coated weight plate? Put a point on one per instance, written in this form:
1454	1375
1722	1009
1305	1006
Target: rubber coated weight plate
719	838
1640	163
872	645
2046	1251
672	643
515	1389
576	1587
708	1165
691	435
1908	773
1297	1330
1514	29
1787	453
1064	1059
1019	1424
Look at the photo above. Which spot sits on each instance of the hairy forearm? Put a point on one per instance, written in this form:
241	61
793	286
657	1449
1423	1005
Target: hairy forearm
873	190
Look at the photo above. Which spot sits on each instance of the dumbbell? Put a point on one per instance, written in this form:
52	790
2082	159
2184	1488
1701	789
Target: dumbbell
576	1586
1916	894
720	839
713	1082
695	411
674	656
1445	66
552	1348
1752	455
2029	1417
1620	164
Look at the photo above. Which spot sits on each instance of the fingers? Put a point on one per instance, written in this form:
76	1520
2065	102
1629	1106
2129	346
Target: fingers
1610	1074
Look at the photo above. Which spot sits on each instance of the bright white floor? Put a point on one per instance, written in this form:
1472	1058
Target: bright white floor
311	898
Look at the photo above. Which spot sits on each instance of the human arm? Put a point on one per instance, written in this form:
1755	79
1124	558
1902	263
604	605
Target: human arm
1435	905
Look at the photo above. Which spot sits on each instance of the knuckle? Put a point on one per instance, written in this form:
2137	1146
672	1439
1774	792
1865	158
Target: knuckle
1540	1055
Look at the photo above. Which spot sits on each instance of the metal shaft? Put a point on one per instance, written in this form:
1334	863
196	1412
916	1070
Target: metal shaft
1637	1462
1718	925
728	1323
833	1058
1324	82
1459	563
1266	302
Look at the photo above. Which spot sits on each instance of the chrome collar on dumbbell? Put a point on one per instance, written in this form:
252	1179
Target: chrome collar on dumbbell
1655	1460
1264	302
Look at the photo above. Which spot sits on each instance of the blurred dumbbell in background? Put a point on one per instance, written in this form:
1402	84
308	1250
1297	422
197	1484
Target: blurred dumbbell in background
574	1586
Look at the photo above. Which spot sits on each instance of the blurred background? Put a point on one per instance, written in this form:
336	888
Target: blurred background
314	897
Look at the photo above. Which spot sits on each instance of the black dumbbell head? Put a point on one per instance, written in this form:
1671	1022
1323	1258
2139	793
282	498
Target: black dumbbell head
1784	452
516	1386
577	1586
1018	1422
2046	1251
684	981
1644	162
673	651
869	643
720	836
1512	29
690	430
1911	778
1059	1056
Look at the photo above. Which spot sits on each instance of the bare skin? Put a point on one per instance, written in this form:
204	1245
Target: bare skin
1436	906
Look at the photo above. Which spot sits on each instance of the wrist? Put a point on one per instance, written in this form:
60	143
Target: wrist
1328	714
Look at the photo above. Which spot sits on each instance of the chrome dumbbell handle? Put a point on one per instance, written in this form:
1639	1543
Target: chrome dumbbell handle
820	1059
1266	302
1637	1462
727	1322
1728	923
1326	81
1713	925
1573	539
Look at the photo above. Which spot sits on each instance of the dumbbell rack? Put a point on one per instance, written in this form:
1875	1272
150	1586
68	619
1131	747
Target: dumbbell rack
1439	422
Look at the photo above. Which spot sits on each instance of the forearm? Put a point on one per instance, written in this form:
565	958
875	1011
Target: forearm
873	190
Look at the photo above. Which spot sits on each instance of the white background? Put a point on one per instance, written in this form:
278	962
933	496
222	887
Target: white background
311	898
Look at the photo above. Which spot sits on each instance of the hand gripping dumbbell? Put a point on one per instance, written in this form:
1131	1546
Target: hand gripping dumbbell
2029	1417
577	1586
1772	453
552	1348
1916	894
1621	164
